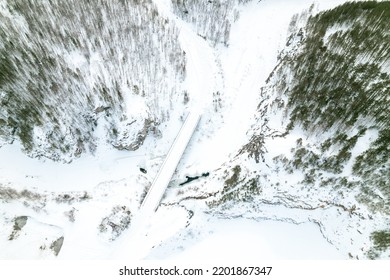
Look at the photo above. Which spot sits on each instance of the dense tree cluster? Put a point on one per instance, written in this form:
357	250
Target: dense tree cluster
67	66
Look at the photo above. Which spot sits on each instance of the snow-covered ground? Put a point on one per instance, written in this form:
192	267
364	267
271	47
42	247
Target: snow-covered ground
244	239
112	178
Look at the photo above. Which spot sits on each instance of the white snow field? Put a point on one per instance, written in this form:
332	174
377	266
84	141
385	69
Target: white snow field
251	240
111	178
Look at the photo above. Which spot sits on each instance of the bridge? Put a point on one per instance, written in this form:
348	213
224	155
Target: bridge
164	175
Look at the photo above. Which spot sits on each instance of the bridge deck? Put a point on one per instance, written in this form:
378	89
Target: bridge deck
164	175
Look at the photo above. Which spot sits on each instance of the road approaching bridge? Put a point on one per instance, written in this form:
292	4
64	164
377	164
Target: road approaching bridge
164	175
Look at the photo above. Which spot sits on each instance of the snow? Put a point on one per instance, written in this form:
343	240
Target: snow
76	60
334	29
148	231
24	246
82	174
252	240
362	144
238	72
112	177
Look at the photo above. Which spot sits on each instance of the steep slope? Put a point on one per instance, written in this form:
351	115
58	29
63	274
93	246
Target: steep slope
78	73
320	140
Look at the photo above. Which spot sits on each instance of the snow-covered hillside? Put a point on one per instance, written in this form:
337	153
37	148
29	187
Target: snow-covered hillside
78	74
127	74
